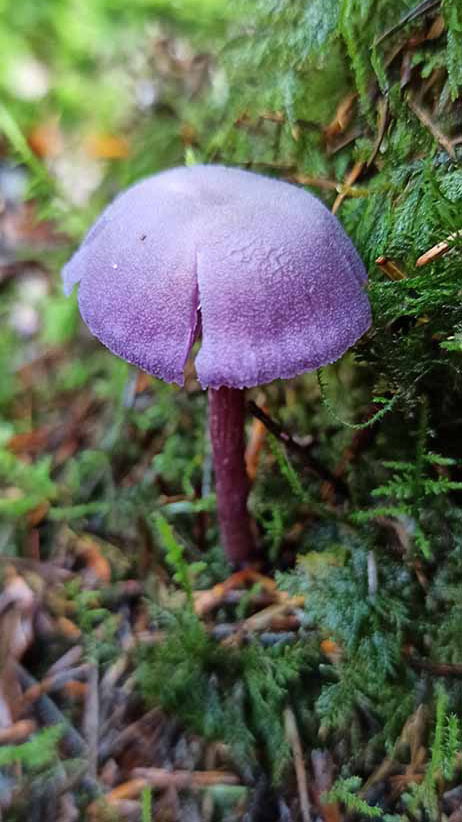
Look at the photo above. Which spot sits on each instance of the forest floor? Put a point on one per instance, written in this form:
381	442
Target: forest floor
140	677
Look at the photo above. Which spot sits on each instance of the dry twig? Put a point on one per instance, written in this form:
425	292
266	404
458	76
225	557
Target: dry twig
312	465
293	738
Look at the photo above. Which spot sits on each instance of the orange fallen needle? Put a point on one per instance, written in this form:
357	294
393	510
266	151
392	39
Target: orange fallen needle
438	250
390	268
162	778
205	601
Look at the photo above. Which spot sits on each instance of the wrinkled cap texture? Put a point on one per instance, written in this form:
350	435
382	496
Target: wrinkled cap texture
260	266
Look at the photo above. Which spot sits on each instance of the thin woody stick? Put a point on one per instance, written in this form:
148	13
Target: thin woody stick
311	464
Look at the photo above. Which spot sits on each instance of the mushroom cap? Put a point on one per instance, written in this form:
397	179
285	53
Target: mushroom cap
261	265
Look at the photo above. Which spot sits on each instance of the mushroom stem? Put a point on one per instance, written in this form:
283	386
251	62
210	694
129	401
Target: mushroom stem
226	420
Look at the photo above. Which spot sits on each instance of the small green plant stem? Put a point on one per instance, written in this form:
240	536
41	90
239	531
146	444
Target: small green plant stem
146	804
323	387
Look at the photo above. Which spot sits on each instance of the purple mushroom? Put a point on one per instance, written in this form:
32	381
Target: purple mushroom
258	268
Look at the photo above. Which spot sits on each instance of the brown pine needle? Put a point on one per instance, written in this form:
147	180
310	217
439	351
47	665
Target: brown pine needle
346	188
205	601
182	780
18	732
437	250
314	182
432	127
254	448
54	683
390	269
342	117
293	739
127	790
91	720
